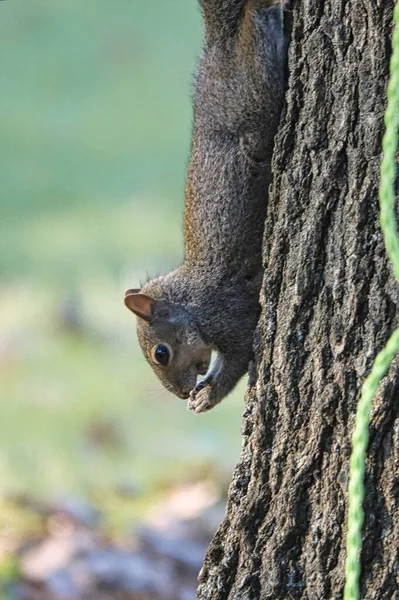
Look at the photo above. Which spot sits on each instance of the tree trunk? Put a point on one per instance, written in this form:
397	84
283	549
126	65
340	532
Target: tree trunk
329	303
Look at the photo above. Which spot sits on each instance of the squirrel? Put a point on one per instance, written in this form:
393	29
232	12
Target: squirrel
211	301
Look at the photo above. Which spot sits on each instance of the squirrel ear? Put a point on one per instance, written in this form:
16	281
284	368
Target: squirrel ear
140	304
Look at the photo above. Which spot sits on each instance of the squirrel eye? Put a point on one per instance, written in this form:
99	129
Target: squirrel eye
161	355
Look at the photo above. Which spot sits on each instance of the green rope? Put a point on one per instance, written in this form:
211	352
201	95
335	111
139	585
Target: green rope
385	357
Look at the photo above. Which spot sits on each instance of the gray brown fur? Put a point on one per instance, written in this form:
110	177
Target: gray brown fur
210	302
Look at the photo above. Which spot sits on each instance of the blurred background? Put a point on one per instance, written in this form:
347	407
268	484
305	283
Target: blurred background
109	488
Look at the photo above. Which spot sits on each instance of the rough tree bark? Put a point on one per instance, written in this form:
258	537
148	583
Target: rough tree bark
329	304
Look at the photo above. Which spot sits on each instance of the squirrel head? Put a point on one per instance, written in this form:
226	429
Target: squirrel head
170	340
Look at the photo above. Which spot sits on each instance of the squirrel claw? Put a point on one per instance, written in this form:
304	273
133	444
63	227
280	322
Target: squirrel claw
199	406
200	400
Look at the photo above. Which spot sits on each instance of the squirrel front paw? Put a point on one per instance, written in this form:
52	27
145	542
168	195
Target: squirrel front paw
202	397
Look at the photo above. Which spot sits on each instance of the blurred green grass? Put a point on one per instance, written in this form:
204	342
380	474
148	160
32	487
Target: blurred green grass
95	119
